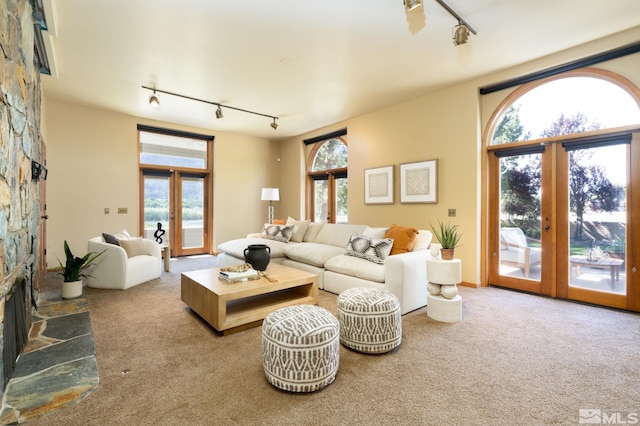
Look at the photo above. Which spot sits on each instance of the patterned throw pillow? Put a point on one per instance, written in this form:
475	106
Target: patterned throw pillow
368	248
277	232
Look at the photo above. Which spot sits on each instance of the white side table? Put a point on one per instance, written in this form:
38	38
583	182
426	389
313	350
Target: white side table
166	254
443	302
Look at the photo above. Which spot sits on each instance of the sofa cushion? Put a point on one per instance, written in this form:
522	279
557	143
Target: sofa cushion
123	235
356	267
338	234
404	238
277	232
369	248
312	232
312	253
279	222
299	228
134	247
236	248
423	240
377	233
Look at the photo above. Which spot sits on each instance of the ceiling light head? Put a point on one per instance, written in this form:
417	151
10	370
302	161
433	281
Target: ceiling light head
460	34
219	112
274	124
154	102
409	5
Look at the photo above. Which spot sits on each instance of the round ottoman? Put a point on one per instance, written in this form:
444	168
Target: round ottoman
370	320
300	348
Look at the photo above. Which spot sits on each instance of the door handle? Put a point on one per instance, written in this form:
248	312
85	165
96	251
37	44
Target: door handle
45	217
546	227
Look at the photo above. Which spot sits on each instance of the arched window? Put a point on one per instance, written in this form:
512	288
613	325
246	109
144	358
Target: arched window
560	183
328	194
564	106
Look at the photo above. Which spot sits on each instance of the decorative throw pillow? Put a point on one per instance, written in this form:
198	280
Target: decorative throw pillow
403	237
368	248
299	228
134	246
277	232
279	222
123	235
111	239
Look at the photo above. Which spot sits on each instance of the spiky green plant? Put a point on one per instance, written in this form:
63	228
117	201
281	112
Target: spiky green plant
447	235
73	269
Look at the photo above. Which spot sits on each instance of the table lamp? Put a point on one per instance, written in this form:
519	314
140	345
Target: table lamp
270	195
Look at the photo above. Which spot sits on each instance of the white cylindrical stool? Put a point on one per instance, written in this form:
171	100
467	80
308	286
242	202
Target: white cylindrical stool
443	302
300	348
370	320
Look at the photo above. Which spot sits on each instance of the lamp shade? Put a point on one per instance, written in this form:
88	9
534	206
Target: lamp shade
270	194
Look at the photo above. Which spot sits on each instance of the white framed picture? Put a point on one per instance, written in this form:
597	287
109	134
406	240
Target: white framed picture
419	182
378	185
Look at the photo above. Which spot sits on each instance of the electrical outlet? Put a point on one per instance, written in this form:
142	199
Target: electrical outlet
452	212
122	210
106	210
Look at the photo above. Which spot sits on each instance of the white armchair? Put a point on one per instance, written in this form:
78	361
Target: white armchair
515	250
116	270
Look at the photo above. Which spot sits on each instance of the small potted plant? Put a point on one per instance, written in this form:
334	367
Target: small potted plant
449	238
72	272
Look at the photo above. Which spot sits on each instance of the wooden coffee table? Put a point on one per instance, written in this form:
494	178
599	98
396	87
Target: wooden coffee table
233	307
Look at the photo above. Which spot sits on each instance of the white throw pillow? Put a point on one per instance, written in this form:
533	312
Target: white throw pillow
134	247
299	228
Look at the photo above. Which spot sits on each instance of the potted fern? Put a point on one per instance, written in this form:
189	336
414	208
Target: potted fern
72	271
449	238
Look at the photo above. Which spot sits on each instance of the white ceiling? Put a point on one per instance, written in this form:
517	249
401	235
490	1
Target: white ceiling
310	63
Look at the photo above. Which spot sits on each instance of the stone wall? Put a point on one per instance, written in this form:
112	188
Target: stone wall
19	145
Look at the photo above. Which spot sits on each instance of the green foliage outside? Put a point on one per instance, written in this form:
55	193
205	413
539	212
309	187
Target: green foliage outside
332	155
589	187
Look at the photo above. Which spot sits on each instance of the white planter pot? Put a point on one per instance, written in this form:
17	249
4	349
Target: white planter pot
72	289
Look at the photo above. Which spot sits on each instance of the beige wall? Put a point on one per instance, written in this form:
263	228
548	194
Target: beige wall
92	162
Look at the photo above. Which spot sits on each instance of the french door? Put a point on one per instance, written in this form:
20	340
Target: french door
175	210
560	217
329	195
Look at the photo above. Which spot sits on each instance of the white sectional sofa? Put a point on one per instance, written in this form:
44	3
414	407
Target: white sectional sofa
320	249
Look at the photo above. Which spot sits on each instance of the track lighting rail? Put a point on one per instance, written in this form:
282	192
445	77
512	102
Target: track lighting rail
217	104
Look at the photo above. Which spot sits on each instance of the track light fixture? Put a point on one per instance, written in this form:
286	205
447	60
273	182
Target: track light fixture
409	5
460	31
154	102
460	34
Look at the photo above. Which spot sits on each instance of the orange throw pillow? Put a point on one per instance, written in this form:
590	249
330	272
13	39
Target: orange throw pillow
279	222
404	238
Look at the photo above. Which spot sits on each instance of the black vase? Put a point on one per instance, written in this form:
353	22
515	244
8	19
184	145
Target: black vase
257	255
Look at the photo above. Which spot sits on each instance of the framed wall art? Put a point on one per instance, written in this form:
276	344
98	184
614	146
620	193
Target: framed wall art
419	182
378	185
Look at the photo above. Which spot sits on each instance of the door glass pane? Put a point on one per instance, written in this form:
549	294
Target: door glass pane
156	208
342	204
598	215
321	195
520	202
192	212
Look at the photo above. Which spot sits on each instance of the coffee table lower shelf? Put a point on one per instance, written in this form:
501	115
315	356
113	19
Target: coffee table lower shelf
230	308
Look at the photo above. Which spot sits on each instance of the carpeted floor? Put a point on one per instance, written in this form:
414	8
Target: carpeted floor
513	359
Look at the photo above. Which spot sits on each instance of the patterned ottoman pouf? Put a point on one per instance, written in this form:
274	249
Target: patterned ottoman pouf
300	348
370	320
